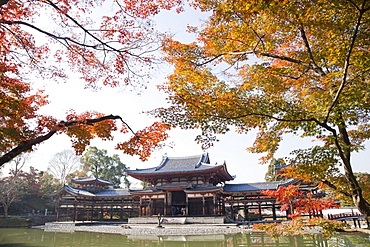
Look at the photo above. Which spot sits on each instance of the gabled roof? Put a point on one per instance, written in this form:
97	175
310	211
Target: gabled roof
244	187
175	165
91	179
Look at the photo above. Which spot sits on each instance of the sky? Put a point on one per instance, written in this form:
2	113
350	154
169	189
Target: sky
130	105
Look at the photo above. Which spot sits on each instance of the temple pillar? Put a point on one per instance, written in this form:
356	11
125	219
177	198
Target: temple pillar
101	213
150	206
214	205
74	212
140	206
165	204
203	205
245	209
187	205
58	212
273	211
259	210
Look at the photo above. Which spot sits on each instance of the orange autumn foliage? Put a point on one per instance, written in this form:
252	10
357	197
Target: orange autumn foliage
48	40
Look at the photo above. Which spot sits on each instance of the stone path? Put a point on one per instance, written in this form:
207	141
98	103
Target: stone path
140	229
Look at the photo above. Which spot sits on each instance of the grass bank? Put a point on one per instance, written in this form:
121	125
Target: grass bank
13	221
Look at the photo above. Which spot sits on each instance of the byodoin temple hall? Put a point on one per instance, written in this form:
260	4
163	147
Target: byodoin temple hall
180	186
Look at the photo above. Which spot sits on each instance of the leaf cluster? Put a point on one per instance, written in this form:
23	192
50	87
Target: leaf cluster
104	166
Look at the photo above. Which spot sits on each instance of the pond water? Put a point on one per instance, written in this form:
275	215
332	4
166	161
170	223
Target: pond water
24	237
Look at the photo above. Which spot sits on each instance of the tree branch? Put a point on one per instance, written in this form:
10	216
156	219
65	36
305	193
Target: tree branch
305	40
347	62
335	188
27	145
3	2
264	54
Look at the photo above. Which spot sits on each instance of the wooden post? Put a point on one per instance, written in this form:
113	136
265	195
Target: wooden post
260	210
165	204
273	211
246	212
203	205
187	205
245	209
58	211
214	205
140	206
74	212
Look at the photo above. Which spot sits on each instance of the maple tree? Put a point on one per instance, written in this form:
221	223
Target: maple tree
279	67
298	203
107	43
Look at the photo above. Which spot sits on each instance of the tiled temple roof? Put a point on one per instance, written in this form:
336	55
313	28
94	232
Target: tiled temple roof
204	189
81	192
178	164
91	179
257	186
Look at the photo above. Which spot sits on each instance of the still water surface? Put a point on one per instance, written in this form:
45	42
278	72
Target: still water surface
23	237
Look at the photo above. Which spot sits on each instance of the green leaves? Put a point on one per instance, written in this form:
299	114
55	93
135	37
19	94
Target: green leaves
106	167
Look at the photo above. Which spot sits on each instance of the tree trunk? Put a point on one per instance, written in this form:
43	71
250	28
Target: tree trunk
6	207
355	190
361	204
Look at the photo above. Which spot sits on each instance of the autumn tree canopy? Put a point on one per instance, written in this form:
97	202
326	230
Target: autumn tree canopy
107	43
279	67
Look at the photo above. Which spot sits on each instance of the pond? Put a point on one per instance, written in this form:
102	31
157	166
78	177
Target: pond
24	237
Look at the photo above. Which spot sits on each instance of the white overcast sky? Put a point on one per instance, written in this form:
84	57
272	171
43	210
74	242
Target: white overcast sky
230	149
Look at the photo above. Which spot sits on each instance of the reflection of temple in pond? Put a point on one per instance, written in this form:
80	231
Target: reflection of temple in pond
180	187
36	237
247	240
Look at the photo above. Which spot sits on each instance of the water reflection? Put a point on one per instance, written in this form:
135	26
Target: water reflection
36	237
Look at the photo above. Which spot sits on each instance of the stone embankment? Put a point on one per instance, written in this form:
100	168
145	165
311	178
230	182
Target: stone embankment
140	229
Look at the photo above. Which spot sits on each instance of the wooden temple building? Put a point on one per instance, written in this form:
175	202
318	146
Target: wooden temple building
181	186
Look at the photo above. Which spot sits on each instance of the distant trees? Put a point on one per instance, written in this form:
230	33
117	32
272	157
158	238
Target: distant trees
63	163
18	163
107	167
27	190
274	167
9	193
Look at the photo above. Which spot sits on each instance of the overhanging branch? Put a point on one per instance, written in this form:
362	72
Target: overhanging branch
27	145
3	2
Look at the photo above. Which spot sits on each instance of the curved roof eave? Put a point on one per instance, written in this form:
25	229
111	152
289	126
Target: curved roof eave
150	171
